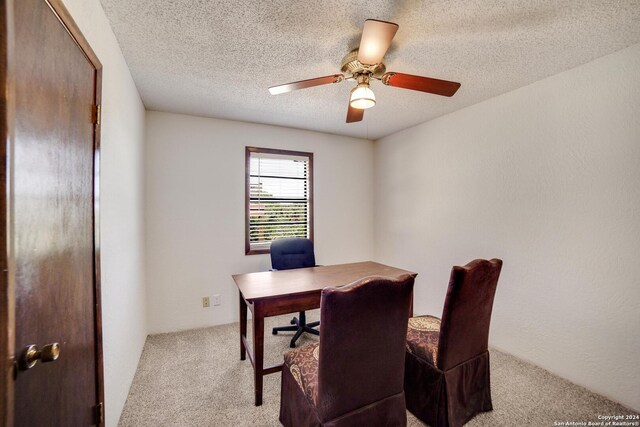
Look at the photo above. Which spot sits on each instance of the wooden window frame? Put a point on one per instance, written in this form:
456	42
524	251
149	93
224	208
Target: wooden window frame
247	202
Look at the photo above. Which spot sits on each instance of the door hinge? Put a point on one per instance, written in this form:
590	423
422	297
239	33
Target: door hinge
96	113
99	413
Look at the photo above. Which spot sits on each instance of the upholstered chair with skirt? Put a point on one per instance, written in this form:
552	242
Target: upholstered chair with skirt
446	377
353	376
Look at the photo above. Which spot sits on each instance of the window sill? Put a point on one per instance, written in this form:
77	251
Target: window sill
257	251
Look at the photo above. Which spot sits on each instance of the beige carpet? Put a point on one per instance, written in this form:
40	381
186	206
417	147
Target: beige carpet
196	378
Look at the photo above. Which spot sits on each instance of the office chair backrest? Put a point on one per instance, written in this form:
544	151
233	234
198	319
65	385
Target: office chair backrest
292	252
464	331
362	343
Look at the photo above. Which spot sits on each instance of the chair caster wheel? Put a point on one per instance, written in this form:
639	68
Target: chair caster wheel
292	345
274	332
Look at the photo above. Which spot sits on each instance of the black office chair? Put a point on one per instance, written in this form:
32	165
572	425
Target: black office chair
286	254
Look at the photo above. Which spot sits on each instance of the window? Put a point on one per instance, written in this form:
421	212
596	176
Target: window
278	197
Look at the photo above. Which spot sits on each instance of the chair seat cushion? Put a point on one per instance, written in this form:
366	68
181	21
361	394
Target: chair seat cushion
303	365
422	338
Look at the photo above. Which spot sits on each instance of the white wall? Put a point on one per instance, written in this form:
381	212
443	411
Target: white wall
195	177
546	177
121	209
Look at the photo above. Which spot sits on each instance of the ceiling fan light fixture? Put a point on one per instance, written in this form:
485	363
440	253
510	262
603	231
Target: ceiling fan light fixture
366	63
362	97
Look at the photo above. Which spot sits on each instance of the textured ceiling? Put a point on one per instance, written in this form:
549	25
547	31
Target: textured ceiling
217	58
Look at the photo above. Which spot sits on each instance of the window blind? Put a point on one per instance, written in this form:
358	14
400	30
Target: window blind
279	197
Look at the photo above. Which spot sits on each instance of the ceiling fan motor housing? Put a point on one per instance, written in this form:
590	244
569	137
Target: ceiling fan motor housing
350	64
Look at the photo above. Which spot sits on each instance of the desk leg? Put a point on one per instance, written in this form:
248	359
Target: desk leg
243	326
258	350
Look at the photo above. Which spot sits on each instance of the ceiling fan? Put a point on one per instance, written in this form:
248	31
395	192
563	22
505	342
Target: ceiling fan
365	64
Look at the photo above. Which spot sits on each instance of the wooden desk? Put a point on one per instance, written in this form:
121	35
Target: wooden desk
271	293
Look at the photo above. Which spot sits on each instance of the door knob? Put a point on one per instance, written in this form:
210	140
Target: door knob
30	355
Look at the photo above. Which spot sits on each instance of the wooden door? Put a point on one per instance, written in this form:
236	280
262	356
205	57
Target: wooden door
53	269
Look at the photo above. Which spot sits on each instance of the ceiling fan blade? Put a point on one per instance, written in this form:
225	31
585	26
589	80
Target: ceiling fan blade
354	114
376	39
423	84
303	84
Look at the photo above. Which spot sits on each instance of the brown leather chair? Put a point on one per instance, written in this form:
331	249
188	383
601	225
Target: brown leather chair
354	375
446	377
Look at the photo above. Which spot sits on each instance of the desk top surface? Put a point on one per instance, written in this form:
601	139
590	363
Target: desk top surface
267	284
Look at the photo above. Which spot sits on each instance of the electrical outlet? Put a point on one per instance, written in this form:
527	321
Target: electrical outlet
205	302
216	300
